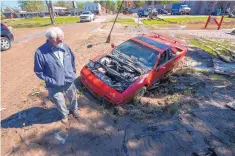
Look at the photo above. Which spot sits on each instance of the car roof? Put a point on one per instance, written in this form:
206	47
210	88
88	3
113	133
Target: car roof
154	43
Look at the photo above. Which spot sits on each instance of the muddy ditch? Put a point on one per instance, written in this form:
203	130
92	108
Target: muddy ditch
183	86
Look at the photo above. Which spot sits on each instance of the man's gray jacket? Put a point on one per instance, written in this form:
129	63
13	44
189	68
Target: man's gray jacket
48	68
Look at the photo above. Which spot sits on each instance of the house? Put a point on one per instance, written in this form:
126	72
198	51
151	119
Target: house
75	11
59	10
93	7
209	7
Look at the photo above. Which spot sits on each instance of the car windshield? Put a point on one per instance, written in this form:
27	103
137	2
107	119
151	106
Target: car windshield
184	6
138	52
86	13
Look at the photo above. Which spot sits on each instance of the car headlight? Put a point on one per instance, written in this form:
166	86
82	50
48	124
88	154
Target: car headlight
91	64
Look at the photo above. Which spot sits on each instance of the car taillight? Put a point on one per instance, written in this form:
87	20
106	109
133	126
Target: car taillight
5	27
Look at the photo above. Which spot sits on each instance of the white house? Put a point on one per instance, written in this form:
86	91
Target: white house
94	7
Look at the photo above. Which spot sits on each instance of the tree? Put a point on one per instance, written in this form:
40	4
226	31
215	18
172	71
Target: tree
139	3
169	2
119	2
79	5
65	4
50	10
108	4
31	6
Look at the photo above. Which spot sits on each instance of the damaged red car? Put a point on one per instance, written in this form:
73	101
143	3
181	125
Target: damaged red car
132	67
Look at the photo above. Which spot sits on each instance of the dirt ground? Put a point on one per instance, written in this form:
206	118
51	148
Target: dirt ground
190	104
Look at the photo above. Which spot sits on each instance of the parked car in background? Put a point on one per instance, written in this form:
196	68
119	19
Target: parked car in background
29	16
180	9
6	38
143	13
184	9
162	11
87	16
127	11
231	14
134	10
128	70
42	15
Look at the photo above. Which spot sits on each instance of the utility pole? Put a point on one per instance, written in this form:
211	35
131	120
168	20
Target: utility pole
51	12
108	39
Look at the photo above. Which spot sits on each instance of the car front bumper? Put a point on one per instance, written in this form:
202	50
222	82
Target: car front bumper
85	20
99	88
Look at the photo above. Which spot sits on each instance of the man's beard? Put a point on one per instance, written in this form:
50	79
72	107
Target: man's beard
60	45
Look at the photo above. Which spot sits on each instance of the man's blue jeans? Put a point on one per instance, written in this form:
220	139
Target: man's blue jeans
58	96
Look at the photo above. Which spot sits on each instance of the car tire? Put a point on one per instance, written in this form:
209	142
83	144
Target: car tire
5	43
140	92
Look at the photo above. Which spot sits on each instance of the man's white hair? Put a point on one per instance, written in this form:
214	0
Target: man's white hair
54	32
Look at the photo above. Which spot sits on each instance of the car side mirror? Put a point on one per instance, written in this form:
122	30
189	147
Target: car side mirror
112	45
89	46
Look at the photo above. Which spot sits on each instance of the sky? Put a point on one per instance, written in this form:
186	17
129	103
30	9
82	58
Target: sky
9	3
14	3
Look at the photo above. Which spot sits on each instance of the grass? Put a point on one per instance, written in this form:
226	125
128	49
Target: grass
198	44
181	20
216	77
214	45
39	22
128	21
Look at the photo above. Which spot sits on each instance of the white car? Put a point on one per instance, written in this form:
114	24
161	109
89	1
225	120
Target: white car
87	16
184	9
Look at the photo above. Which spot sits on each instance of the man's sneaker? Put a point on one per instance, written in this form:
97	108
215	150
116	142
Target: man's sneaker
75	114
65	120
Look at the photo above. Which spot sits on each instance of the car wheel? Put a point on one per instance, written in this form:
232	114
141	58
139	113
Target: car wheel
139	94
5	43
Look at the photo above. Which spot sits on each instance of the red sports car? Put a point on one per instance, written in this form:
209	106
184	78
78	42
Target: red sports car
132	67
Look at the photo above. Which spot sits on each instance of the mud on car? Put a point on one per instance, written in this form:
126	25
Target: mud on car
132	67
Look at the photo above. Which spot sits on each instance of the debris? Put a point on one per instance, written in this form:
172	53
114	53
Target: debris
231	105
151	128
58	137
171	128
223	68
233	32
12	150
194	83
35	93
124	146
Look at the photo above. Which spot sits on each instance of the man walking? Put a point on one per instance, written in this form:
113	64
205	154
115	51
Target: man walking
54	63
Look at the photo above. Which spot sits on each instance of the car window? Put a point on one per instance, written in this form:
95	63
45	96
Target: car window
171	54
86	13
152	42
145	55
163	59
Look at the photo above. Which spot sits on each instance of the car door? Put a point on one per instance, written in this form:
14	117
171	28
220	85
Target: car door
163	66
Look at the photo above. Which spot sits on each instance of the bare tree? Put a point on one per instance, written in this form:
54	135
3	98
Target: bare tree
51	12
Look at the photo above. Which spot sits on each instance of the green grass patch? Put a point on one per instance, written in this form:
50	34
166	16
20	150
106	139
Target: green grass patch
198	44
128	21
39	22
216	77
181	20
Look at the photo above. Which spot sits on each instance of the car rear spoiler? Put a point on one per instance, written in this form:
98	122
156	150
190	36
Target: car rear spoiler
166	38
